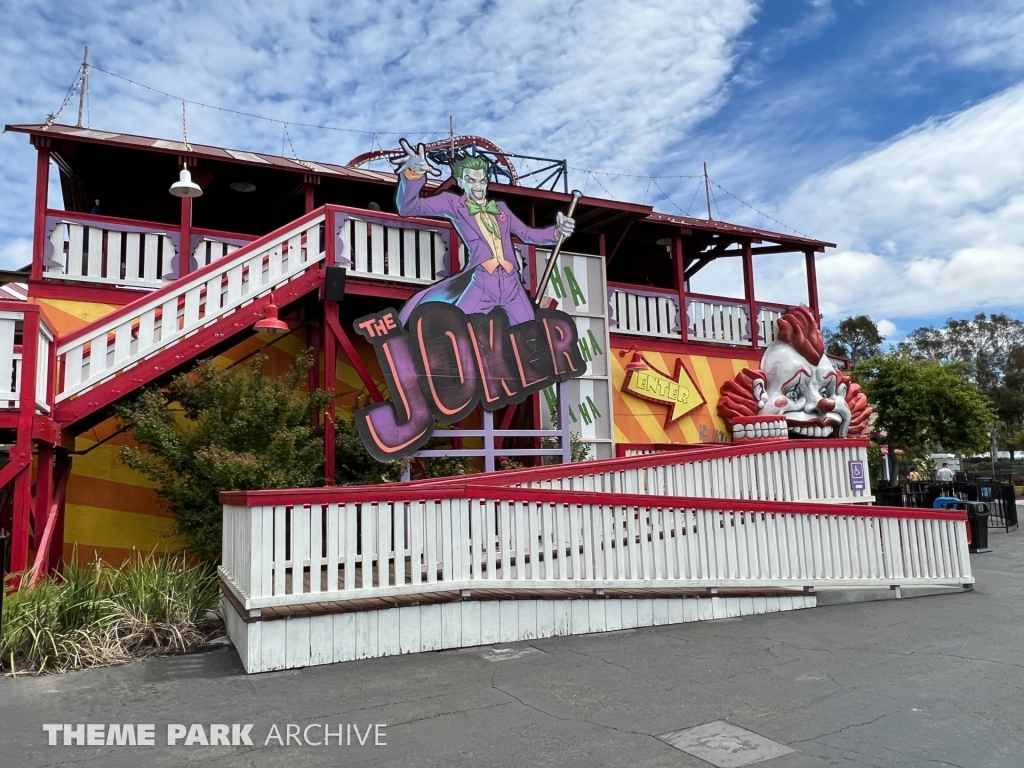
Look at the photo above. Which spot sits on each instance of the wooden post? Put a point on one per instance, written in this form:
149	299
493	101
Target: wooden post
680	273
329	379
26	412
62	474
185	248
748	294
812	284
330	348
42	189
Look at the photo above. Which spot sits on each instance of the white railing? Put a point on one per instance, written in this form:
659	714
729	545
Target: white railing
143	328
397	250
718	321
794	470
294	547
99	251
42	393
10	359
768	323
643	312
211	248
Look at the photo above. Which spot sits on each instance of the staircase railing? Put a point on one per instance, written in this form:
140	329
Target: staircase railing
167	316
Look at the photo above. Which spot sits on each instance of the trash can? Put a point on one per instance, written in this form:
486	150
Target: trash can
977	519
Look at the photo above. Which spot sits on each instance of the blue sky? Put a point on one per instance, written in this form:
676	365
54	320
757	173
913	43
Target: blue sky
891	128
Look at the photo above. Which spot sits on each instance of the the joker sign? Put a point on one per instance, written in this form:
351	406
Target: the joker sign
796	392
491	278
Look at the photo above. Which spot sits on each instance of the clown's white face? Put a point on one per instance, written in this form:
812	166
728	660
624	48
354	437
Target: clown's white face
810	396
474	184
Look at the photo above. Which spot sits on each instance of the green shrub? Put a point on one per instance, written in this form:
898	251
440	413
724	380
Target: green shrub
234	429
97	615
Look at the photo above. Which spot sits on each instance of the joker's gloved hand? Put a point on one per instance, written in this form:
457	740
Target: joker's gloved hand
564	226
415	161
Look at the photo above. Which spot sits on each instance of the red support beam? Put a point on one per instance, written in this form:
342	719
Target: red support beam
62	473
330	378
26	412
39	227
748	294
680	275
812	283
185	247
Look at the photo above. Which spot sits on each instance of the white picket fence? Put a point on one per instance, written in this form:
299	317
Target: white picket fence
768	323
279	550
794	470
98	252
718	321
10	360
145	327
644	313
399	253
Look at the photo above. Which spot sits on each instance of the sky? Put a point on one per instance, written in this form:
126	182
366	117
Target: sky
891	128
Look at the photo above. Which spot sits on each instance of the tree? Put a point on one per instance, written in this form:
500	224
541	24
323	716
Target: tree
212	430
924	404
992	350
856	338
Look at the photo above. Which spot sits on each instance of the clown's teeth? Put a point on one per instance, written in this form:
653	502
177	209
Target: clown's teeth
817	431
826	431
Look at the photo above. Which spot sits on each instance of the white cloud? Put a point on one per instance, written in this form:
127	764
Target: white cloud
930	223
603	82
886	328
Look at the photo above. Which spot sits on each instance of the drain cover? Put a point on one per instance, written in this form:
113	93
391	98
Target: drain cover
725	745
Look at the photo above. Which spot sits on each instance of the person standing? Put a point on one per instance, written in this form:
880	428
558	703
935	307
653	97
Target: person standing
945	474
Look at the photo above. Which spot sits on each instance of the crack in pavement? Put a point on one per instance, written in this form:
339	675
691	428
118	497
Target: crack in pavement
553	716
844	728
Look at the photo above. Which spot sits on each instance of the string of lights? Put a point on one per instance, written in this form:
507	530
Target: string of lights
375	139
755	210
254	116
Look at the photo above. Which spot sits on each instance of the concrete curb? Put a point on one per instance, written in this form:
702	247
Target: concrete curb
827	596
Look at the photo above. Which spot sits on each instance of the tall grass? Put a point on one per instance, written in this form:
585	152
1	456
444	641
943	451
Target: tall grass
97	614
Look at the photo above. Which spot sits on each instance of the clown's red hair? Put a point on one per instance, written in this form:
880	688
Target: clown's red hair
799	328
736	397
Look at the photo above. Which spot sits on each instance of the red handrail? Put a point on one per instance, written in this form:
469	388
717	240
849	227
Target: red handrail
403	492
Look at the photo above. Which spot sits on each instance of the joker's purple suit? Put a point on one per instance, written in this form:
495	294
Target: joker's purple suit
473	289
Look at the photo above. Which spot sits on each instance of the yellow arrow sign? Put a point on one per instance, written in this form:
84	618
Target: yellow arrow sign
678	392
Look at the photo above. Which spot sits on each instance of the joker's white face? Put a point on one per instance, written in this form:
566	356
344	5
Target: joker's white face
474	184
810	396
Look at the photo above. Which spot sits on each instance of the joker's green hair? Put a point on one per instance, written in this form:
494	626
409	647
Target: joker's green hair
468	163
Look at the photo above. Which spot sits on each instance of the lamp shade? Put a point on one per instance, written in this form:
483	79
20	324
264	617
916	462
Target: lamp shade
271	323
185	187
637	362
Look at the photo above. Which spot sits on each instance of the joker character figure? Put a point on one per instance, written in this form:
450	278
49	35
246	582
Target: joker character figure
491	278
797	392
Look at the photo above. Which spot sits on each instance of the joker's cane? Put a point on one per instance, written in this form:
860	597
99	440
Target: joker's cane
543	284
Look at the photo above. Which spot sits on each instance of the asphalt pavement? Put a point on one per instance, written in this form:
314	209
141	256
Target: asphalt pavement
919	682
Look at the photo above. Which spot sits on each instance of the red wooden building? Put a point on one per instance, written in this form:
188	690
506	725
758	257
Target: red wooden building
129	285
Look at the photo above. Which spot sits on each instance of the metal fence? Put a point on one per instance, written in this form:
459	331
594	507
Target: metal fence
1000	497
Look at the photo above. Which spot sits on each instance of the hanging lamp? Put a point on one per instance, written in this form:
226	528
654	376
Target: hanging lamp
185	187
637	362
271	323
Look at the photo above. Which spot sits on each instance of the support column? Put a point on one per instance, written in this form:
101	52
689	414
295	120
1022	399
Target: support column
309	182
185	249
62	474
329	379
680	274
42	190
748	294
23	447
812	284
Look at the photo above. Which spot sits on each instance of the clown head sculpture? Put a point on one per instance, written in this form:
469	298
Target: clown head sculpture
796	392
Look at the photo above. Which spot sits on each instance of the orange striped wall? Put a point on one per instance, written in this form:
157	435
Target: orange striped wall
640	421
111	509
